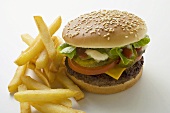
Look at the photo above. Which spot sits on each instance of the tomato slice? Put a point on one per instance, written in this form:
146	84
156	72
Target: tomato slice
81	53
139	51
127	52
90	71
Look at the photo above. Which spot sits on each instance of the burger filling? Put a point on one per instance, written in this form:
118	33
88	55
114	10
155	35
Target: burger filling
103	79
112	61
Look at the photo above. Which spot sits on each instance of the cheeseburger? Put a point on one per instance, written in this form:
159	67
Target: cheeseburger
104	50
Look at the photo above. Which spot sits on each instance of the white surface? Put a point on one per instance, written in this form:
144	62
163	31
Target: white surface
150	95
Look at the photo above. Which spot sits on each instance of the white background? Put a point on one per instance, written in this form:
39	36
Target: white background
150	95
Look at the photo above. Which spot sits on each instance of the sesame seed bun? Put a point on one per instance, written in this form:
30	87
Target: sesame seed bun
104	29
107	89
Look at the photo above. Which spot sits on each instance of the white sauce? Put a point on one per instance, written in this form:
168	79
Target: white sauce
96	55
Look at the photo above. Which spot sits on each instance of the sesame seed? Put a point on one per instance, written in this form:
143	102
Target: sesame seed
106	29
115	26
77	33
105	36
111	22
108	34
130	15
131	32
91	32
126	36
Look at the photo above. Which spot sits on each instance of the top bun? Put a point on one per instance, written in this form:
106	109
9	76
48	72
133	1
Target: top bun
104	29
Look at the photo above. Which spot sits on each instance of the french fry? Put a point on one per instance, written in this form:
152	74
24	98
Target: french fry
16	80
54	108
33	50
63	62
24	106
31	65
55	25
67	103
37	45
57	41
50	75
56	62
56	84
33	84
67	83
54	66
27	39
64	102
42	76
45	36
42	60
33	60
51	95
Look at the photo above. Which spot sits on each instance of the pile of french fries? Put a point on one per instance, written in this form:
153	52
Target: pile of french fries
52	94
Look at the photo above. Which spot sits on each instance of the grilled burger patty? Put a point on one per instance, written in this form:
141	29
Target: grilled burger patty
104	79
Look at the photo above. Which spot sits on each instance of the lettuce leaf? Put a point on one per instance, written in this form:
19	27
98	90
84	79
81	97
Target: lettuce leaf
68	50
103	50
142	42
113	54
116	53
62	46
124	61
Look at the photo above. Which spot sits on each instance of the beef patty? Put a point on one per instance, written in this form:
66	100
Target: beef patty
104	79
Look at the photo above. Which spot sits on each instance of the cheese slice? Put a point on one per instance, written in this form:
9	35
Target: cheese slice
115	72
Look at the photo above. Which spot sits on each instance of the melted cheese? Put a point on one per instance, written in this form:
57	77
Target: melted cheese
115	72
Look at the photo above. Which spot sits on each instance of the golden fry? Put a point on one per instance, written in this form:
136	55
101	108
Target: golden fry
33	84
67	83
42	76
54	108
56	62
54	66
16	80
27	39
56	84
63	62
37	46
45	36
42	60
64	102
50	75
24	106
22	87
51	95
57	41
67	103
31	65
33	50
55	25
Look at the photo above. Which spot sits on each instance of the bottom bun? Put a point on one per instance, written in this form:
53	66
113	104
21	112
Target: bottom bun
106	89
